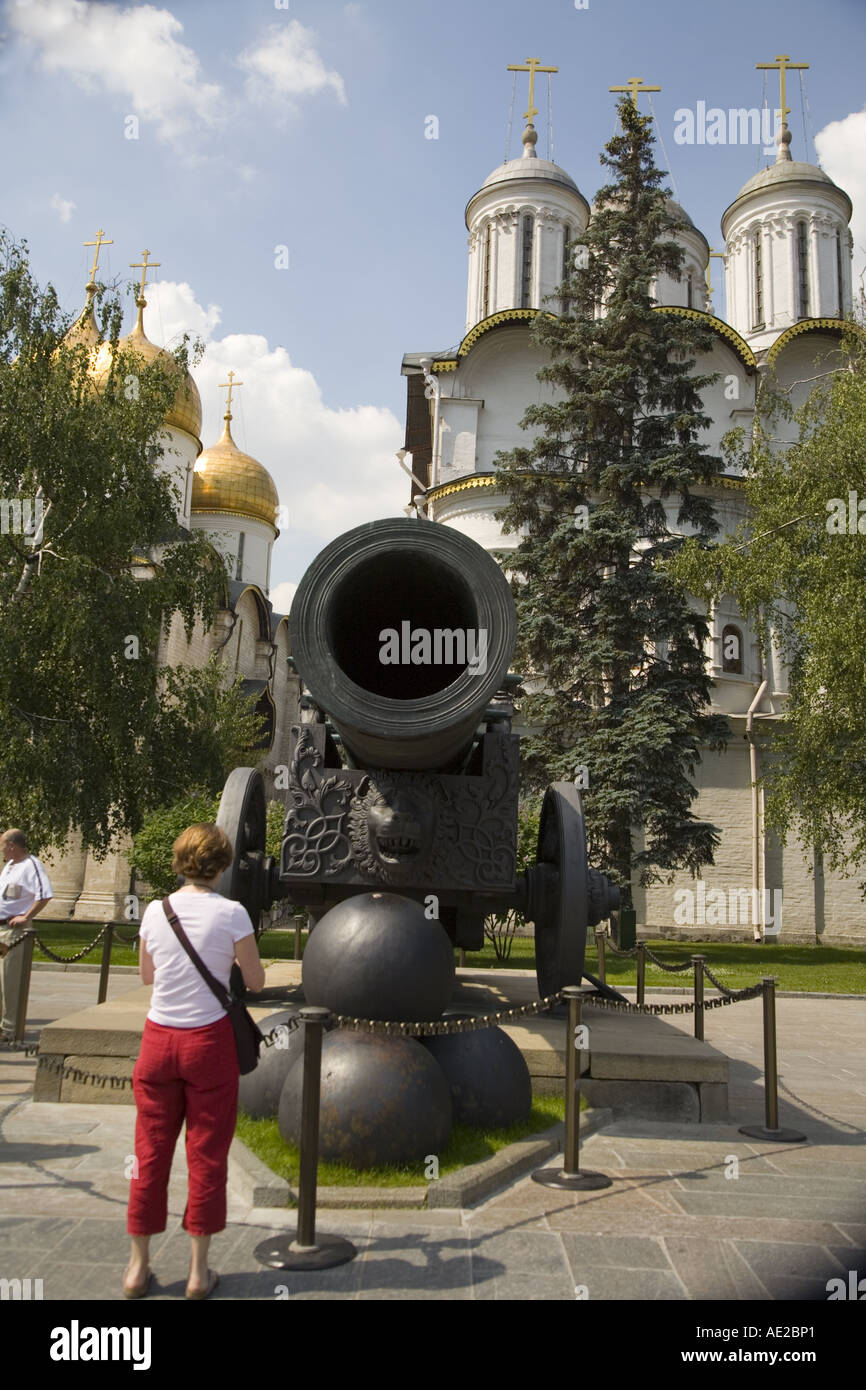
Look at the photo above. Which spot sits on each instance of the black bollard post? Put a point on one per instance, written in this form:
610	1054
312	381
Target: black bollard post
641	972
307	1250
771	1129
698	967
26	949
570	1176
105	963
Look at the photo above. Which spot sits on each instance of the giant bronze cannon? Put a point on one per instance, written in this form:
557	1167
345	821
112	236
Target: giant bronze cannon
404	774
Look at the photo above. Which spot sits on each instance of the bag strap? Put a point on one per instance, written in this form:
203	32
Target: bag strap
210	980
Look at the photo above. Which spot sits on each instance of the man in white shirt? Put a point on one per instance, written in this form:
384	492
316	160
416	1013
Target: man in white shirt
24	891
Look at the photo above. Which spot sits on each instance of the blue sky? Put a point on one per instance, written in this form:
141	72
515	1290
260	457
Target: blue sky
261	126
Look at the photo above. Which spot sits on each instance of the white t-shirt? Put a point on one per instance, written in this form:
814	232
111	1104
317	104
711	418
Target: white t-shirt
21	885
181	998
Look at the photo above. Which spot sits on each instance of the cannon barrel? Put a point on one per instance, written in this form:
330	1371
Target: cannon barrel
402	630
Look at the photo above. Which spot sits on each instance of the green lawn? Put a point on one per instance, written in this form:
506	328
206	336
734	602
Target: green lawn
826	969
465	1146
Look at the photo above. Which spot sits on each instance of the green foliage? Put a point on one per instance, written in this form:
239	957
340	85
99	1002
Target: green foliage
276	819
803	582
150	855
611	645
92	733
466	1145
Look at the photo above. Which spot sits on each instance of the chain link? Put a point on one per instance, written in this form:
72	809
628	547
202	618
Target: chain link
127	940
18	940
445	1026
671	969
718	984
66	960
732	997
95	1078
609	946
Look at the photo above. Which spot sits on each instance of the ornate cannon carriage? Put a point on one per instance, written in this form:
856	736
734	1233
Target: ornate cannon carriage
404	772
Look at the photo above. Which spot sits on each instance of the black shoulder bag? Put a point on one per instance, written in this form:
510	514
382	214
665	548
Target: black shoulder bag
248	1038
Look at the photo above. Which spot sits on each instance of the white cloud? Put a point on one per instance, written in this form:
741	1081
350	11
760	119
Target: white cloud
132	53
333	468
62	206
281	597
285	65
172	310
840	146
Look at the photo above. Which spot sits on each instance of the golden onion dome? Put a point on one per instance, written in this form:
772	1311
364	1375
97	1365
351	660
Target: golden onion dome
226	479
84	332
185	411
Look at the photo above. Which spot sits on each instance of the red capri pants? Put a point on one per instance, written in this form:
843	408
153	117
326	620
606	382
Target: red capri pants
192	1074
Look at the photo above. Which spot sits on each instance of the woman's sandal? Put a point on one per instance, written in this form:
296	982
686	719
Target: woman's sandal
212	1281
139	1290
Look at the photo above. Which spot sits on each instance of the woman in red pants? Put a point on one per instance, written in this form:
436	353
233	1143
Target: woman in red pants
187	1068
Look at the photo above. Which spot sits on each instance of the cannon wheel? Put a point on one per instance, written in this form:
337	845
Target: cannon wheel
243	816
560	924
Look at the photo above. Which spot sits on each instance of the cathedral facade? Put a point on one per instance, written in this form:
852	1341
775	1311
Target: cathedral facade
232	497
787	254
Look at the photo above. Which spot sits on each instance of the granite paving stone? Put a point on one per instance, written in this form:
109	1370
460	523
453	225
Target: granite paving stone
672	1226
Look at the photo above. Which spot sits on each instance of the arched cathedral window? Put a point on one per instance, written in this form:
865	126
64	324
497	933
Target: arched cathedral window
566	266
803	270
526	263
732	650
840	281
488	241
758	260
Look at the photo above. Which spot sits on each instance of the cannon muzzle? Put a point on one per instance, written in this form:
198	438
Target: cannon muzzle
402	631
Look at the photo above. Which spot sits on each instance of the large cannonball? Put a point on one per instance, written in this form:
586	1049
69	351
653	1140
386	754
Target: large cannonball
376	955
259	1091
383	1100
487	1075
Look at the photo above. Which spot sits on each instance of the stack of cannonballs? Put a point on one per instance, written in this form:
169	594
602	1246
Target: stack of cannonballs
387	1100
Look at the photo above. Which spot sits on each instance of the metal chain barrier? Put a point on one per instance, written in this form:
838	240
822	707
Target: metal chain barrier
119	1082
731	997
671	969
445	1025
127	940
17	942
718	984
66	960
617	952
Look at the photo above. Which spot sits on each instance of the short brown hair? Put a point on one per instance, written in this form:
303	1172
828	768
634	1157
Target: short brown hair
15	837
202	851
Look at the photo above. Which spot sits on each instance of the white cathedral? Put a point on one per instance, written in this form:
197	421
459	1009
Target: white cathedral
232	497
788	281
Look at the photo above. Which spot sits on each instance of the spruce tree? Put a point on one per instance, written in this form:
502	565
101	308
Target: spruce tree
601	498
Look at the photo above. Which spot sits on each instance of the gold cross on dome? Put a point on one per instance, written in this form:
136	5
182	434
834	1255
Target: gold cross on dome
144	266
532	66
781	65
99	242
231	384
634	87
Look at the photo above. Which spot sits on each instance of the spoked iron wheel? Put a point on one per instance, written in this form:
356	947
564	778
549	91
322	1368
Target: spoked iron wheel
243	816
558	893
